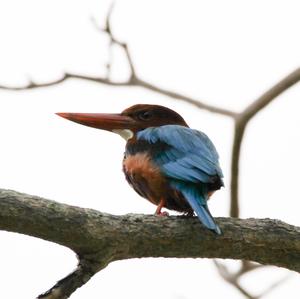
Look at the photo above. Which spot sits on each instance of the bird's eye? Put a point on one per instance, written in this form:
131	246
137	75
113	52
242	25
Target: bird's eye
146	115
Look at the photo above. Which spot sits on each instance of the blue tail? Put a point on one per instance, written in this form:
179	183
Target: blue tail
197	200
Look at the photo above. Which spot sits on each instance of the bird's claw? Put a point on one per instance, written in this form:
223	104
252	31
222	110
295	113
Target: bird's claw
162	213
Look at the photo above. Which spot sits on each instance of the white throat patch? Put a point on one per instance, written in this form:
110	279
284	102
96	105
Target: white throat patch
126	134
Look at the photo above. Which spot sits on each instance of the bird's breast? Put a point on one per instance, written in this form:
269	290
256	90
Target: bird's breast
144	176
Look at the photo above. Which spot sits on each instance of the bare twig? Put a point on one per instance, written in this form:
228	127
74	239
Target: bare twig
271	94
136	81
114	41
241	122
247	266
130	83
185	98
65	77
275	285
232	279
133	80
107	27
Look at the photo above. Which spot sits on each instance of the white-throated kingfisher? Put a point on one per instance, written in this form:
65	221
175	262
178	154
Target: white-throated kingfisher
165	161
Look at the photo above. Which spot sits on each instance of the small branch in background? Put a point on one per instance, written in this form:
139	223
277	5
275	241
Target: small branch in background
64	77
241	121
239	130
271	94
247	266
133	80
190	100
68	285
107	31
114	41
274	285
240	124
234	277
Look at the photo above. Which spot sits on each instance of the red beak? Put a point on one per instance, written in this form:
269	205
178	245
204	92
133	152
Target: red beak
102	121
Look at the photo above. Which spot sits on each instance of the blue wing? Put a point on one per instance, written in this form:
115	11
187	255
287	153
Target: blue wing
190	158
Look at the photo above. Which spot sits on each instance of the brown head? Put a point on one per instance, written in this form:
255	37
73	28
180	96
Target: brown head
130	121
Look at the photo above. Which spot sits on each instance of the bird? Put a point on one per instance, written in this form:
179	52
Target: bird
165	161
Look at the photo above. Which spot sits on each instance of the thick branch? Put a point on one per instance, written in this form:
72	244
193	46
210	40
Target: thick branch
100	238
89	232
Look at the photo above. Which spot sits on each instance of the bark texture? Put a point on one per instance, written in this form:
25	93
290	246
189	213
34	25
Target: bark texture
103	238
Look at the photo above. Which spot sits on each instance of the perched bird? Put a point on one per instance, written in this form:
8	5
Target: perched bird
165	161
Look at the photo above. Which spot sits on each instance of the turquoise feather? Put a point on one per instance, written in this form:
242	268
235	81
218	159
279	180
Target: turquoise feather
190	162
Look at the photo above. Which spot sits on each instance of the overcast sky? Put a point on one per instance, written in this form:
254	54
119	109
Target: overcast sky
222	52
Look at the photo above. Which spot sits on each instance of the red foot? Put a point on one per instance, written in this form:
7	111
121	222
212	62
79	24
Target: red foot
162	213
158	211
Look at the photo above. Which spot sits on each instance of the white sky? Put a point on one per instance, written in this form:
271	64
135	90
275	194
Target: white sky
223	52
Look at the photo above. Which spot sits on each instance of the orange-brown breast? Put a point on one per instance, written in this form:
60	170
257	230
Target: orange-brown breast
145	177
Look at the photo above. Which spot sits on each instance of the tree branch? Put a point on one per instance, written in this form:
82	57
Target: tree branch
241	121
68	285
232	279
271	94
65	77
239	130
113	41
178	96
132	81
100	238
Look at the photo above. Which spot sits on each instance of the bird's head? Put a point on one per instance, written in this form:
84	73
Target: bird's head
130	121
